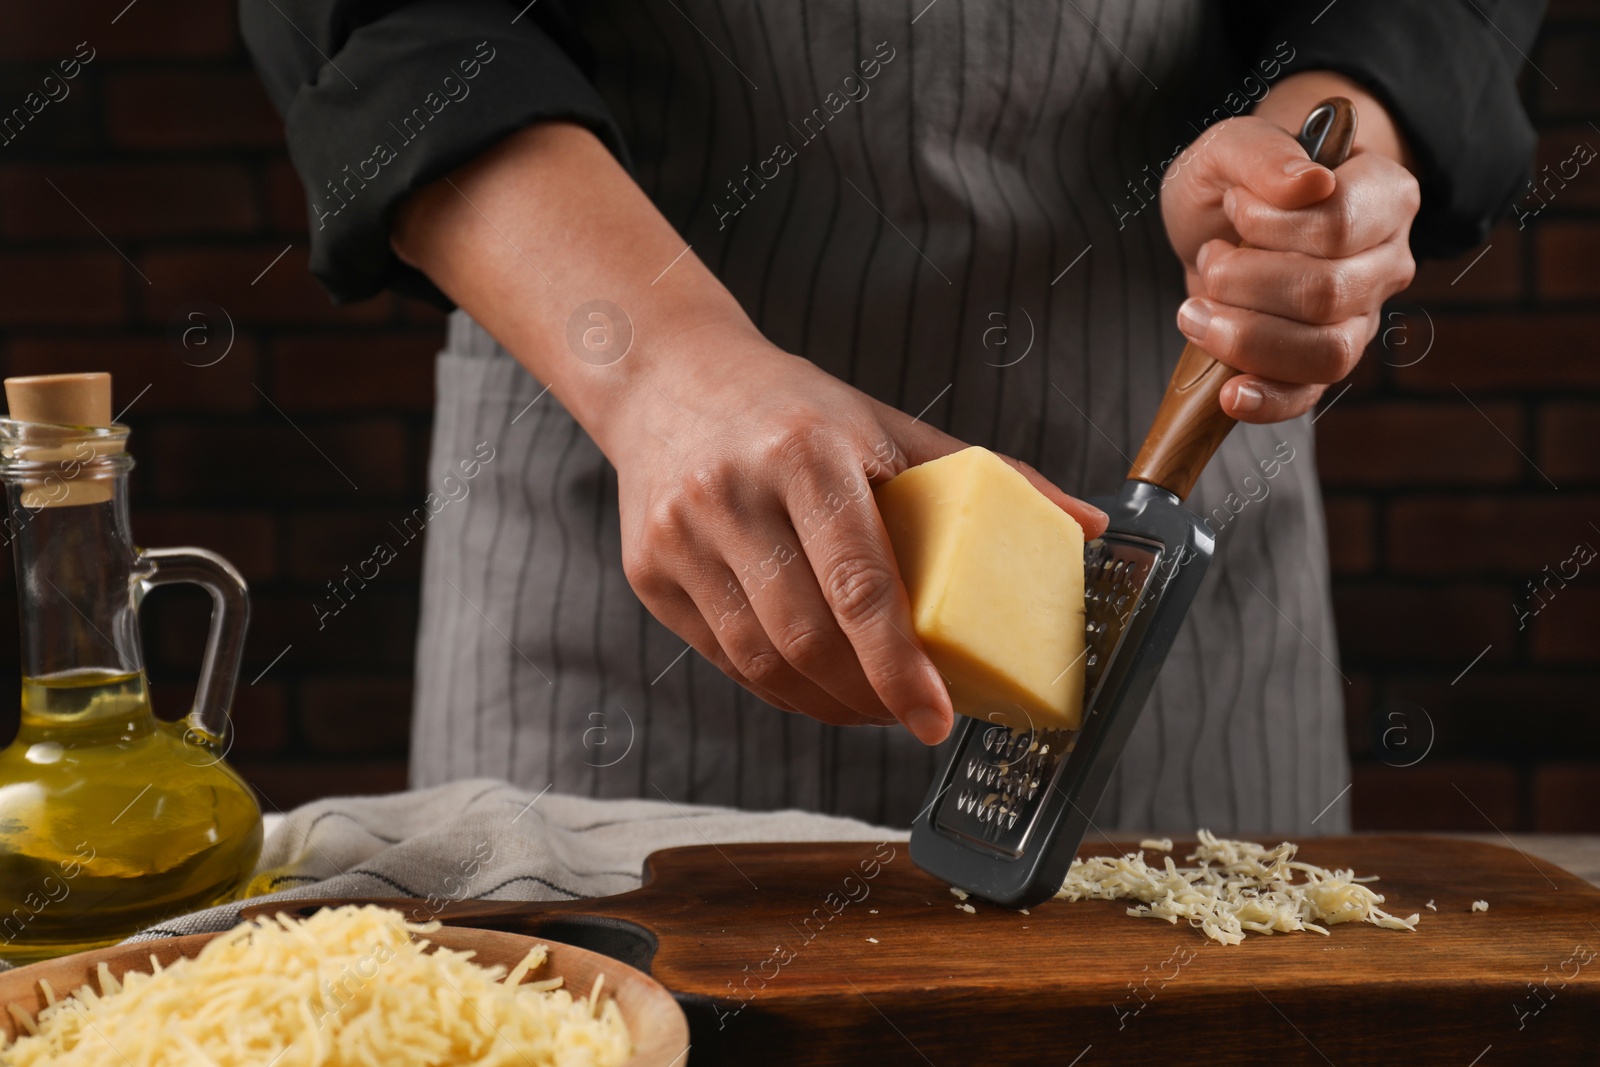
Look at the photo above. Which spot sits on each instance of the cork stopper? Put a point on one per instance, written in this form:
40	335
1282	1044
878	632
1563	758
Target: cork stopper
65	399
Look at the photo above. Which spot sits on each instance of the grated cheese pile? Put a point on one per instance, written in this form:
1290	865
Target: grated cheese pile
346	986
1236	888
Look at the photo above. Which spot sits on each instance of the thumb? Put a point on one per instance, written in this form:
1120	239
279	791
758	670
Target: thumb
1267	160
917	442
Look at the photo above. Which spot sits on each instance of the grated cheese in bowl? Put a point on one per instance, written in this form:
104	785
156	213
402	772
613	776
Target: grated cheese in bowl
1237	888
345	986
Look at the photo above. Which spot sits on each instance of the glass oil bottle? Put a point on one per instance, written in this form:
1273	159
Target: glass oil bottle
110	818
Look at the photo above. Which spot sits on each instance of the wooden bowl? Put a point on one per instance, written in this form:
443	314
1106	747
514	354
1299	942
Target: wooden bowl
655	1022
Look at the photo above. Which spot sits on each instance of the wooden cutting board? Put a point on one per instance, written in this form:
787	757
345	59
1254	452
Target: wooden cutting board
770	950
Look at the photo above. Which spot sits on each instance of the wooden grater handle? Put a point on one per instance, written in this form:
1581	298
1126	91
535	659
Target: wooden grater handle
1190	424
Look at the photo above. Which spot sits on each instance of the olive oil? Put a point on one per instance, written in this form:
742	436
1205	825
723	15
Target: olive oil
111	819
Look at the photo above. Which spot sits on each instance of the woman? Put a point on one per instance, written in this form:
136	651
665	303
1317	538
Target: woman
960	217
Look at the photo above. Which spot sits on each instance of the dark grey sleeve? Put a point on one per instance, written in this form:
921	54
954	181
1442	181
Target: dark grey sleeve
1447	71
380	99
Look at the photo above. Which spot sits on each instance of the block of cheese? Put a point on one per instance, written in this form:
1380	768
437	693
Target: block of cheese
995	573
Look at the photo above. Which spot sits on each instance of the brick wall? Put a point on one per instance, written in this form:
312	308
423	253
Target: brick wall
168	145
1455	478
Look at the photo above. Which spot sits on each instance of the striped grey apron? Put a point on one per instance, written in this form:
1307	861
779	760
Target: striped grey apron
952	224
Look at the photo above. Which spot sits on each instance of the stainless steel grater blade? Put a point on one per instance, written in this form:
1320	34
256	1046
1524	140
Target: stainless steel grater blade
1009	808
1002	771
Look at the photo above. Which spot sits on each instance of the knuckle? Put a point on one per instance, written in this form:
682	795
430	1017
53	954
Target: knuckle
666	514
857	589
1214	276
642	568
1342	351
1407	271
808	646
763	666
797	443
883	461
1410	193
1340	226
896	674
1323	292
710	485
1368	334
1229	334
644	558
1247	218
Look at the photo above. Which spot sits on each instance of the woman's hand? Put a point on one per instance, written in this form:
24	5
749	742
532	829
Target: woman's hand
749	527
1295	311
744	473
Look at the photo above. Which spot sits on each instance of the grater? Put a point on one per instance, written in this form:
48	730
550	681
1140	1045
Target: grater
1008	809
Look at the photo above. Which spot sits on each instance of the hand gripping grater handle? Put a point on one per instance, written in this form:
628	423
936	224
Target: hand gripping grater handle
1009	808
1190	424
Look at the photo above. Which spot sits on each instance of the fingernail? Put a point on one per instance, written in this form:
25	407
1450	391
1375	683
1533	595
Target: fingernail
1246	398
1229	202
1297	167
1193	320
928	725
1200	260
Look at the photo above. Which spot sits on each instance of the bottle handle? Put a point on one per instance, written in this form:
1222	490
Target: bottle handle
230	616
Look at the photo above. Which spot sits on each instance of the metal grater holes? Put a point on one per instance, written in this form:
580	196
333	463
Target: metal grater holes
1003	777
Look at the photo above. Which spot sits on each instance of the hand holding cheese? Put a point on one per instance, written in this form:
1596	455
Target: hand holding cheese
748	527
744	473
995	575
